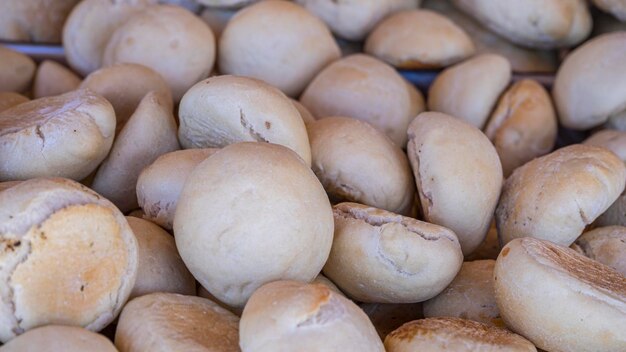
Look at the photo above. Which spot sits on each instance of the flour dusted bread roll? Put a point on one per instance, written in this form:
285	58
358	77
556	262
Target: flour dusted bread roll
554	197
378	256
355	162
278	42
469	90
419	39
172	322
66	135
533	23
16	71
54	338
560	300
458	175
52	79
367	89
587	94
454	334
11	99
616	8
261	194
39	21
159	185
228	109
89	27
523	125
606	245
291	315
68	257
124	85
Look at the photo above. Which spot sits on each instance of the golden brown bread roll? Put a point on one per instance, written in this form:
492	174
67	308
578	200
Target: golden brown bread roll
54	338
11	99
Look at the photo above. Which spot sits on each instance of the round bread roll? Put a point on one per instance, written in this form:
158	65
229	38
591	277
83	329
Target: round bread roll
53	78
580	101
469	296
523	125
616	8
159	185
388	317
277	42
419	39
305	114
454	334
66	136
291	315
149	133
160	268
458	175
264	199
168	39
606	245
89	27
353	20
216	19
357	163
560	300
229	4
124	85
367	89
68	257
11	99
163	322
228	109
16	71
55	338
533	23
39	21
612	140
469	90
381	257
554	197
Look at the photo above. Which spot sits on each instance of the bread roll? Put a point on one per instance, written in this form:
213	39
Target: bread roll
454	334
53	78
11	99
39	21
533	23
89	27
559	299
160	268
616	8
367	89
470	90
277	42
523	125
388	317
159	185
419	39
54	338
357	163
580	102
606	245
67	135
171	322
612	140
554	197
458	175
228	109
124	85
381	257
16	71
469	296
260	195
68	257
353	20
291	315
149	133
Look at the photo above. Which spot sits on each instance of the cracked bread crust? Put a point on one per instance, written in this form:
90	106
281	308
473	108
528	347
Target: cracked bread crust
67	256
379	256
554	197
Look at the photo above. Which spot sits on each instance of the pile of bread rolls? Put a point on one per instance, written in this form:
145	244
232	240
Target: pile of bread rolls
240	175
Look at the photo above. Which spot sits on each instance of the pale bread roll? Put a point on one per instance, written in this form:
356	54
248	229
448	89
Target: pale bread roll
261	194
278	42
66	135
16	71
291	315
53	78
68	257
163	322
458	175
11	99
560	300
606	245
149	133
612	140
39	21
54	338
